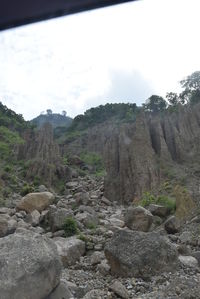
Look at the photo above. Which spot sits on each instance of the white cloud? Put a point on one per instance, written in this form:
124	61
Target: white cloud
79	61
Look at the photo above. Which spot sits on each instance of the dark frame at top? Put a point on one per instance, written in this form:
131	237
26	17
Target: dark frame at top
15	13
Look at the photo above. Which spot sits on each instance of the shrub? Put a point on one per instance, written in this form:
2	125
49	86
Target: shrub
70	227
163	200
167	202
7	168
95	161
26	189
82	237
91	225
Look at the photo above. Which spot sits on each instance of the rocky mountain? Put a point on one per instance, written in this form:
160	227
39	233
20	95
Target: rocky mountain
140	156
105	209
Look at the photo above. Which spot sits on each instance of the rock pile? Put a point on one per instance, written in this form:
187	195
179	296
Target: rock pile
40	259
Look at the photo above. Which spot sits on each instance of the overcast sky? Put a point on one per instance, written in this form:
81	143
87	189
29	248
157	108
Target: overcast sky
123	53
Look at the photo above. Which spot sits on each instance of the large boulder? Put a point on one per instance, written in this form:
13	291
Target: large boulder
69	249
138	219
35	201
140	254
30	266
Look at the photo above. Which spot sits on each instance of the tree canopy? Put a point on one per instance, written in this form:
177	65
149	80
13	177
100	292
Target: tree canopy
155	104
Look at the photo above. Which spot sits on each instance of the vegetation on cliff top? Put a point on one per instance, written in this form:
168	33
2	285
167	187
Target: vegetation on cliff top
12	126
127	112
55	119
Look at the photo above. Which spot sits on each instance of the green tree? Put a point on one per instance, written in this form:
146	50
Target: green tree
155	104
191	86
172	98
191	82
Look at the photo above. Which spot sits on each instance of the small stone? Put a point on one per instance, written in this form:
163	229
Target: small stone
97	257
196	255
188	261
59	233
158	210
118	288
72	185
103	267
33	218
61	291
172	225
7	225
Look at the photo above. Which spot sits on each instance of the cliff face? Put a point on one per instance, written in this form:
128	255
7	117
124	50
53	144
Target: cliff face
44	156
138	155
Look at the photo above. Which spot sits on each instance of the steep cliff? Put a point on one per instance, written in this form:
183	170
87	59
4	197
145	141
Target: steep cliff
139	156
42	155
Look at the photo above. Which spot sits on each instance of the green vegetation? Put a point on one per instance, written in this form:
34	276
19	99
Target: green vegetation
82	237
102	113
11	120
155	104
91	226
163	200
70	227
12	126
189	96
8	139
26	189
67	135
94	161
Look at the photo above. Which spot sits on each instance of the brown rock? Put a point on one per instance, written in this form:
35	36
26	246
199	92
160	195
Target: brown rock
138	219
35	201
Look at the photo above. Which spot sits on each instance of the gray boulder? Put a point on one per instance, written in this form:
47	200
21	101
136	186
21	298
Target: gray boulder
33	218
172	225
57	217
138	219
140	254
87	219
119	289
82	198
158	210
72	185
188	261
30	266
7	225
94	294
69	249
196	255
61	292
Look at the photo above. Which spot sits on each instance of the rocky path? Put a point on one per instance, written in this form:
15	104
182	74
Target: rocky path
115	252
